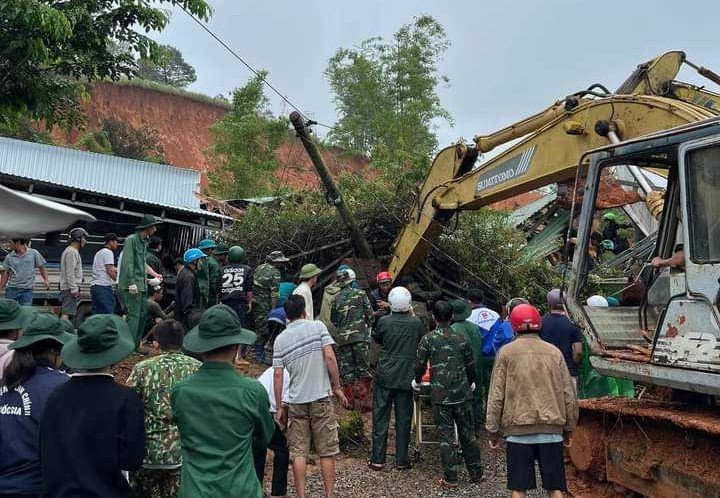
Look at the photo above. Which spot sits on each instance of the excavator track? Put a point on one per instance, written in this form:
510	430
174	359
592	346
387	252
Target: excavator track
625	447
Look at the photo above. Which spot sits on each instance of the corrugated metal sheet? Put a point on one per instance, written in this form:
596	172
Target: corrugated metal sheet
520	215
141	181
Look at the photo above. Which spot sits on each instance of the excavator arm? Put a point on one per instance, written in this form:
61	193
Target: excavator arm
554	141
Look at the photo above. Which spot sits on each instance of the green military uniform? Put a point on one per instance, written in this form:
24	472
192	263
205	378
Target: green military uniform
214	275
351	315
202	277
398	335
154	262
132	271
265	297
153	379
452	370
328	299
461	312
472	332
221	415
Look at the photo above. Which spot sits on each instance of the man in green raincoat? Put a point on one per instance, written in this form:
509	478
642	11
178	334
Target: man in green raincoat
221	415
132	280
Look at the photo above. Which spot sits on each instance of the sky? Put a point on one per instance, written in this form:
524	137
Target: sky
508	59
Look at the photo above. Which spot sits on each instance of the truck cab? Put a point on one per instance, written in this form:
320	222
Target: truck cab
669	333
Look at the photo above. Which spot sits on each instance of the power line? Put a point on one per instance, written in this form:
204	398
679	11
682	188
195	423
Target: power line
248	66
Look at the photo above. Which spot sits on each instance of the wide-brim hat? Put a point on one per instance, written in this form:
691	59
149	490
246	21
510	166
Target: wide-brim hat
40	327
102	340
277	257
148	220
461	309
12	315
206	244
219	326
309	271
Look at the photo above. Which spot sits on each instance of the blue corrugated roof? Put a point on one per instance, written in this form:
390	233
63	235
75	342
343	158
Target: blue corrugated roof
141	181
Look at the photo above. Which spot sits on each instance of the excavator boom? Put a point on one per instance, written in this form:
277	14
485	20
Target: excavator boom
555	139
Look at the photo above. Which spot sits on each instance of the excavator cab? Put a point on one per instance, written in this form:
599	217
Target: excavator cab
667	331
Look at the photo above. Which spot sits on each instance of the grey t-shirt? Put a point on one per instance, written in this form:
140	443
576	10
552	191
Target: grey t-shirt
102	258
23	267
299	350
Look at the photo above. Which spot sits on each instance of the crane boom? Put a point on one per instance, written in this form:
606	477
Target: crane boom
555	139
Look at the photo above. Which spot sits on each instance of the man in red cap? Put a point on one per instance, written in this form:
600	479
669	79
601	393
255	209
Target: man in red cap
532	404
379	296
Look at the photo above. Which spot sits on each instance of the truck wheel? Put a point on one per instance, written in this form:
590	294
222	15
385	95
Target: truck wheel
84	310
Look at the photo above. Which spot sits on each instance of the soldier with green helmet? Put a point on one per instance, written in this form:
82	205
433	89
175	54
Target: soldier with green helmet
132	280
452	378
266	278
236	287
352	315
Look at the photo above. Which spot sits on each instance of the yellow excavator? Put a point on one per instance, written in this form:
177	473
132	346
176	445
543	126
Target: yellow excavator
652	130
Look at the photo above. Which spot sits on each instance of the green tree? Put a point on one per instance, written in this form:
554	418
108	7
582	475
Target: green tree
118	138
244	143
168	68
47	48
386	96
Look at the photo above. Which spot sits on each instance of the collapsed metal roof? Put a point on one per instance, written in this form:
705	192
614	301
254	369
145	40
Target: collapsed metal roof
140	181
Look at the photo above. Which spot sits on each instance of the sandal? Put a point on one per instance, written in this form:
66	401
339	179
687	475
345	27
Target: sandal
445	484
376	466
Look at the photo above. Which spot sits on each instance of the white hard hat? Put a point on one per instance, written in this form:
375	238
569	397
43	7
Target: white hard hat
597	302
351	274
400	299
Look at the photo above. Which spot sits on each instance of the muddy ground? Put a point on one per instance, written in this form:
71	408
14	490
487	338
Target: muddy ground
355	480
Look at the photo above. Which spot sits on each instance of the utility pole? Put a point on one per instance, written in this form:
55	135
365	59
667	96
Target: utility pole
359	241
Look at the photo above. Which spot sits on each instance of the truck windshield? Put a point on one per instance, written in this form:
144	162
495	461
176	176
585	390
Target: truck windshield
703	184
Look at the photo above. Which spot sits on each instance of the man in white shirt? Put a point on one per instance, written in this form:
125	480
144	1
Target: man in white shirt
308	279
481	315
104	274
278	444
305	350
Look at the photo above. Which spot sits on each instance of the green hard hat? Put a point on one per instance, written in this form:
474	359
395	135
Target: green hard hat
236	254
609	216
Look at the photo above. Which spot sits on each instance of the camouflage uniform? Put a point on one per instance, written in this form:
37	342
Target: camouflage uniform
156	483
153	379
452	370
472	333
351	314
265	295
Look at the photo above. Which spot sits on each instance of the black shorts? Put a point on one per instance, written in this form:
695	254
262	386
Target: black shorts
521	466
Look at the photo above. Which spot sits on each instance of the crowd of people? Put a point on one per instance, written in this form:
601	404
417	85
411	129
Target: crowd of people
187	424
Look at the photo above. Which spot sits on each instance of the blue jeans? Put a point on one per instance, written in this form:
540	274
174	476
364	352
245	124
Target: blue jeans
24	297
103	299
